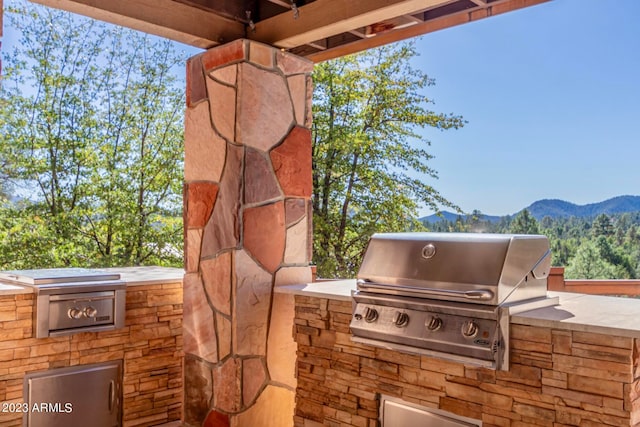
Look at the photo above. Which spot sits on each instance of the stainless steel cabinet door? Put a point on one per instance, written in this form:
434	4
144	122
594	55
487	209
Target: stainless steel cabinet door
85	395
397	414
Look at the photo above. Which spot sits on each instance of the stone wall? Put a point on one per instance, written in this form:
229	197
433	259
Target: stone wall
247	229
557	377
150	345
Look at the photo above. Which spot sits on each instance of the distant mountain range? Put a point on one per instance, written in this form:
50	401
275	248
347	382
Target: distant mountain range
555	208
452	217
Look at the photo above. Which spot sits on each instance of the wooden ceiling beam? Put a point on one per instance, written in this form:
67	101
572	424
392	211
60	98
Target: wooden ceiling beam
414	18
495	8
282	3
340	21
325	18
164	18
357	33
320	44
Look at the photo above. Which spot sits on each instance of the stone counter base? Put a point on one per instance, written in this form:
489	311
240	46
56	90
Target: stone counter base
557	377
150	345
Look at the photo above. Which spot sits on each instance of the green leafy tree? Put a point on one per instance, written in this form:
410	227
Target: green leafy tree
602	226
367	152
91	134
617	257
459	226
632	234
524	223
599	259
589	264
547	222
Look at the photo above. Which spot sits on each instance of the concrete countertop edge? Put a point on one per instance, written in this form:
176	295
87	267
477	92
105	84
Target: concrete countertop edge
574	327
133	276
330	289
139	276
6	289
596	314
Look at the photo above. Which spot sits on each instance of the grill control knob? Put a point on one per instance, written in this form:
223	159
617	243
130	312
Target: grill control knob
74	313
370	314
90	311
469	329
434	323
401	319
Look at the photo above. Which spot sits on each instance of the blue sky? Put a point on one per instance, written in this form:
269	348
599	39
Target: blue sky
552	96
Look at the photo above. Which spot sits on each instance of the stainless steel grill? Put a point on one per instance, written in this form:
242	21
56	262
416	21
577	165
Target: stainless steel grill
449	295
70	300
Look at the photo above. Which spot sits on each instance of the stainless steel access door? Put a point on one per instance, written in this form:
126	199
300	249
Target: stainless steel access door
397	413
76	396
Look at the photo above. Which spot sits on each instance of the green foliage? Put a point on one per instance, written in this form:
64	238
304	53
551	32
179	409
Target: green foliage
602	226
588	263
91	139
524	223
367	152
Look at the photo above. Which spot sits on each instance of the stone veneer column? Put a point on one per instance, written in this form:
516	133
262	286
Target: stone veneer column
247	229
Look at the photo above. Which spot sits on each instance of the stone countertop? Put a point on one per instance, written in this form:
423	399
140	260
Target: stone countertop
330	289
576	312
587	313
133	276
7	289
148	275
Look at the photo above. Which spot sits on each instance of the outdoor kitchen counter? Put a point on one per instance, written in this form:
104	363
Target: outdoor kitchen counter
330	289
6	289
615	316
148	342
576	312
133	276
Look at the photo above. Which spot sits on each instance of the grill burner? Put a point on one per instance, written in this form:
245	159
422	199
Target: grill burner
70	300
449	295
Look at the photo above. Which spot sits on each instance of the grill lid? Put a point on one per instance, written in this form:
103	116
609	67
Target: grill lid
484	268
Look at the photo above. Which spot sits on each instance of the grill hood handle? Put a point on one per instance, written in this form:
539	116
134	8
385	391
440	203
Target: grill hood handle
477	294
541	269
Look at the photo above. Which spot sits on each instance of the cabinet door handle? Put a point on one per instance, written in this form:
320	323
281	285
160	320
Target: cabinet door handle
112	394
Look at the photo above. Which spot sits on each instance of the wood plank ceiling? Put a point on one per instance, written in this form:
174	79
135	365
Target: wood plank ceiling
316	29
